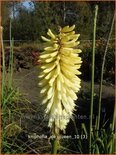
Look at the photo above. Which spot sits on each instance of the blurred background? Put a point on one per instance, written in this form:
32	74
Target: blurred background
31	19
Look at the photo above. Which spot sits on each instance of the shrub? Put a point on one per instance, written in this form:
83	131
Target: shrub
109	64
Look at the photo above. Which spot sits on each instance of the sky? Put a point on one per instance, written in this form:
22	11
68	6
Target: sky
26	4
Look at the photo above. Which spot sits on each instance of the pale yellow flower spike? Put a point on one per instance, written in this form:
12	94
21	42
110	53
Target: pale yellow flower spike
59	81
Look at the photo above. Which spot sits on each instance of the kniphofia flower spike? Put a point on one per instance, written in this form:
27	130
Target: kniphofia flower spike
59	81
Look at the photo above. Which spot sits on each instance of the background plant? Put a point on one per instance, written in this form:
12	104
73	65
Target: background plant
109	64
45	13
11	102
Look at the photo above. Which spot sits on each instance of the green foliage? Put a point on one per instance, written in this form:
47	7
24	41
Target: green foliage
12	100
109	64
104	143
5	11
30	24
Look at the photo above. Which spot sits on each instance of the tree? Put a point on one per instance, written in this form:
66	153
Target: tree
31	23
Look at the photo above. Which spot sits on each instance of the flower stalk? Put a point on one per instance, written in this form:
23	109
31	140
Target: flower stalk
3	61
54	146
102	70
92	77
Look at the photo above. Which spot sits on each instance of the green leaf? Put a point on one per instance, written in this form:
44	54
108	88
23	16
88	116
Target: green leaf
97	149
84	128
100	141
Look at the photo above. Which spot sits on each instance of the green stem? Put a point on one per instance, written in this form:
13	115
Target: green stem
92	76
3	65
10	59
112	128
54	146
11	64
55	140
101	78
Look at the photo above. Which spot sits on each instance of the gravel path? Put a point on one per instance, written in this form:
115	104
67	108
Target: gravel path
27	81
